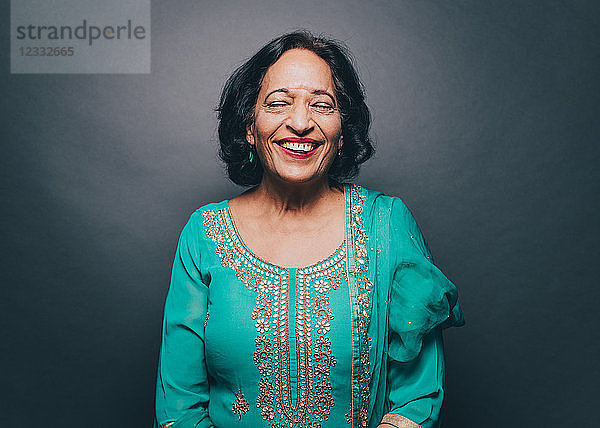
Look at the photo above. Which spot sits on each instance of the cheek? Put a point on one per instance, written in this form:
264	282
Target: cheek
332	126
266	124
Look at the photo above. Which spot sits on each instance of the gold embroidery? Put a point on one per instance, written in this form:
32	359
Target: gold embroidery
240	406
206	319
364	286
399	421
313	401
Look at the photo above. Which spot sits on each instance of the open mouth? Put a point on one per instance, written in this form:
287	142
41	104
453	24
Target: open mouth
300	146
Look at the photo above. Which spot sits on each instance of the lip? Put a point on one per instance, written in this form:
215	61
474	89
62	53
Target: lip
295	155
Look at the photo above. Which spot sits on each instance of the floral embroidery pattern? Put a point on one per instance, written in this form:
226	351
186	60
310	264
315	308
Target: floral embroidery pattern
312	321
364	286
240	406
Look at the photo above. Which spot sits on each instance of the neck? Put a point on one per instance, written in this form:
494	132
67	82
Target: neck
297	198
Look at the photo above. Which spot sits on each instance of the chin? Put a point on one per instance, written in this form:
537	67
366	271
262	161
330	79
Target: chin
300	178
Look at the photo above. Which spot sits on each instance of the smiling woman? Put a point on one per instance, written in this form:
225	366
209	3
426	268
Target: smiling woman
306	301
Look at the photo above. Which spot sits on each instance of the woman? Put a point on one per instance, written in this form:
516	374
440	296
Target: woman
303	302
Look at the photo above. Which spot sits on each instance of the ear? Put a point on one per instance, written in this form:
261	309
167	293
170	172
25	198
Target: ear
340	142
250	133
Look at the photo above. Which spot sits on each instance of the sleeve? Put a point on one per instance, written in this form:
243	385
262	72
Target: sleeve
422	301
182	383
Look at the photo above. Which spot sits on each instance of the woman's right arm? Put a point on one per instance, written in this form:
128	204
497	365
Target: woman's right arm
182	381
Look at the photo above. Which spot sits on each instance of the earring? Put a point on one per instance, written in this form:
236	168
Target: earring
251	156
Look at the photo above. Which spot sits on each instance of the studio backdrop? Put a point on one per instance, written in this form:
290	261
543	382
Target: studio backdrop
485	118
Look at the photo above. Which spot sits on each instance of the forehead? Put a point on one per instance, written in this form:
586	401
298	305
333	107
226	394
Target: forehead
298	69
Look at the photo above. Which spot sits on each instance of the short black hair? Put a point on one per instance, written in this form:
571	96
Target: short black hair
239	95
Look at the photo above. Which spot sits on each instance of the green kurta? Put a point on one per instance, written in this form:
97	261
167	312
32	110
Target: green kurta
340	343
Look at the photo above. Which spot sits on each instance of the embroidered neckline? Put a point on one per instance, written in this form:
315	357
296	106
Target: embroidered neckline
310	403
244	249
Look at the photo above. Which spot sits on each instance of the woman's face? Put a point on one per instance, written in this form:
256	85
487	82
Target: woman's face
297	126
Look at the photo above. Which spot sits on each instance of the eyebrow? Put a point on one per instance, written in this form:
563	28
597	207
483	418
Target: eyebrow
314	92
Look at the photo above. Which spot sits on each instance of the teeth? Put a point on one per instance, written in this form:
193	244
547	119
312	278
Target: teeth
299	147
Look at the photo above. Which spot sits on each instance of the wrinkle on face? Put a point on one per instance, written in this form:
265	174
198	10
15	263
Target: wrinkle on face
296	99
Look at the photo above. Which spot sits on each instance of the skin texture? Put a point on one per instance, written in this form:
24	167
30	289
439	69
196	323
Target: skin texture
298	112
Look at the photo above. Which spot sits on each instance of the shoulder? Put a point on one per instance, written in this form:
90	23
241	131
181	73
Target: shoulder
193	231
197	217
390	215
384	205
212	206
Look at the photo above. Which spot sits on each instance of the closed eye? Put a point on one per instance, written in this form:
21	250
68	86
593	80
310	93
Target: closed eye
277	104
323	108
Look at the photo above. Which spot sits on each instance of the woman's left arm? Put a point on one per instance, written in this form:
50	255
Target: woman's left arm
416	387
422	301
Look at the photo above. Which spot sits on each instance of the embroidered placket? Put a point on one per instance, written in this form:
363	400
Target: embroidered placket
360	286
308	374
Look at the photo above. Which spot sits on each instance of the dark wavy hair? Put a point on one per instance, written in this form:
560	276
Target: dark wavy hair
236	108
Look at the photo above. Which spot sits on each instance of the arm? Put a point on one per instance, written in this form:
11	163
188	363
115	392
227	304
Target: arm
416	387
422	301
182	382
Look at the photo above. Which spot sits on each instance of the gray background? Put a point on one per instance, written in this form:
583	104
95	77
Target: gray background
486	121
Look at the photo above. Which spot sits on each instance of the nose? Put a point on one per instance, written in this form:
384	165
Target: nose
300	119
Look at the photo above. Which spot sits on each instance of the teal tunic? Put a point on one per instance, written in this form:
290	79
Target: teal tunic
339	343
